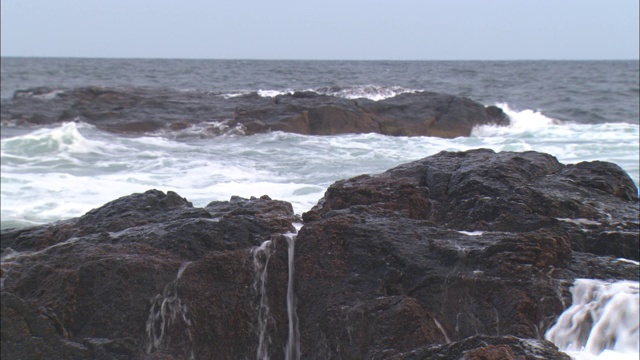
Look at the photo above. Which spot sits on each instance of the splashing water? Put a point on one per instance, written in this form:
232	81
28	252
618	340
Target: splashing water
166	310
602	323
261	255
64	171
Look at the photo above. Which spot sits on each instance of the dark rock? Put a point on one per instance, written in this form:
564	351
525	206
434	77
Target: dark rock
142	262
363	328
30	331
481	190
456	256
431	114
492	352
166	222
143	110
482	347
482	242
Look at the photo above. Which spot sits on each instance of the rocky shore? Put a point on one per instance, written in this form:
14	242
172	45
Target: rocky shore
142	110
458	255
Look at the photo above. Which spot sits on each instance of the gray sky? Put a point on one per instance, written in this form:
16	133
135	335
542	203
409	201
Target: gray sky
323	29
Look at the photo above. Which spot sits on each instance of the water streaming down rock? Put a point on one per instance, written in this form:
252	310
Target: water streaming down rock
292	350
261	255
6	261
603	318
166	310
444	333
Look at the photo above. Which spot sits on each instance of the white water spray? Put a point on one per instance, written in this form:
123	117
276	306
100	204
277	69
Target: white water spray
166	310
261	255
602	322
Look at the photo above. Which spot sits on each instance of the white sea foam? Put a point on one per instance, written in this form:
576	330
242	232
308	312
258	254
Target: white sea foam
372	92
472	233
47	95
262	92
569	142
525	122
629	261
64	138
273	93
234	94
84	167
601	323
579	221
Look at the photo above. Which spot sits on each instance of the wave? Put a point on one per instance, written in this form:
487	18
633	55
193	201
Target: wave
520	122
65	138
85	167
534	123
42	93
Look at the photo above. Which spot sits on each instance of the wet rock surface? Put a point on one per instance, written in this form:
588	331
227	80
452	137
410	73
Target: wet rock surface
147	268
142	110
482	347
456	256
478	242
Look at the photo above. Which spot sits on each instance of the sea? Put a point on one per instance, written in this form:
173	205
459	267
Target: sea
575	110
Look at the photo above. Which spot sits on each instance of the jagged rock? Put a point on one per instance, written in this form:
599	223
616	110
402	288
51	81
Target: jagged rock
413	263
481	242
142	262
141	110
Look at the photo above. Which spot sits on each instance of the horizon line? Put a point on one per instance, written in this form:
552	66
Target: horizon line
300	59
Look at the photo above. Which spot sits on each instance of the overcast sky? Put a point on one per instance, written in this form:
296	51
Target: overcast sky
323	29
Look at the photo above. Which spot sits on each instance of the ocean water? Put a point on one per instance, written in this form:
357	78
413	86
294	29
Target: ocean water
574	110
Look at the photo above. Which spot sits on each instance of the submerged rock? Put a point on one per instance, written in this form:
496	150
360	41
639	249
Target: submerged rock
142	110
458	255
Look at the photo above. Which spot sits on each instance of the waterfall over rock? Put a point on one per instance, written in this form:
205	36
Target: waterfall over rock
261	255
167	310
603	316
292	351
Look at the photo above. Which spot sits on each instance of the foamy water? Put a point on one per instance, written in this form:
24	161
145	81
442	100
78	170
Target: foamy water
63	171
601	323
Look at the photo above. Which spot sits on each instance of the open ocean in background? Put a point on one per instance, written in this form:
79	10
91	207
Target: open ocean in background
574	110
